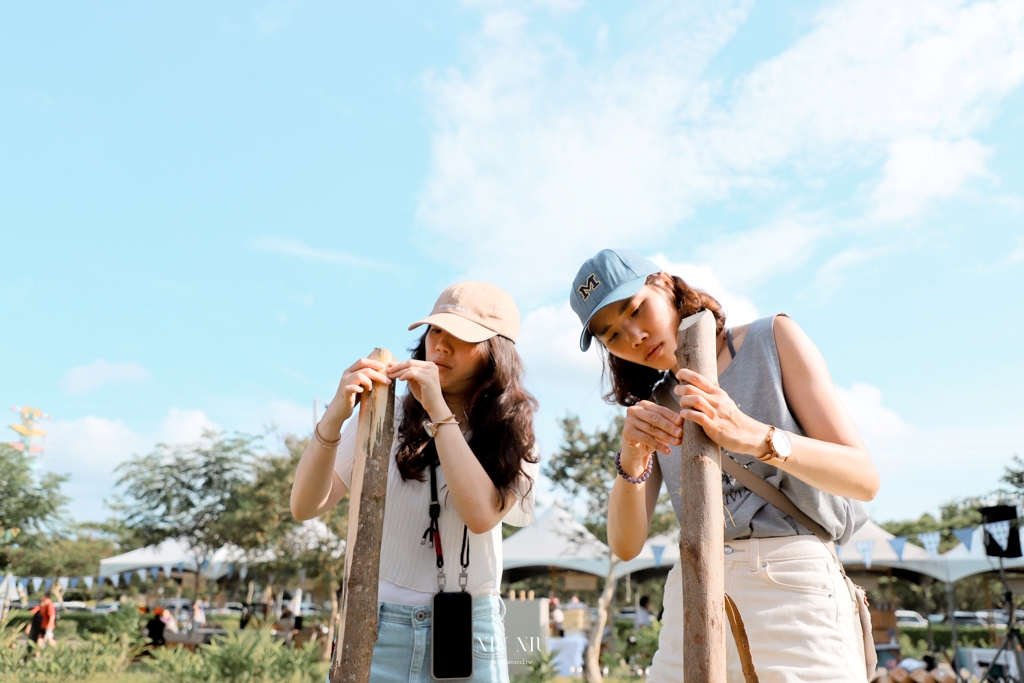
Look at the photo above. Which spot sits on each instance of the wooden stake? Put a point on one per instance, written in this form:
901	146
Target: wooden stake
703	523
357	632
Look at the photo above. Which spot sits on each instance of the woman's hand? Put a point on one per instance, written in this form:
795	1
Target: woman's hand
424	383
357	379
648	428
713	409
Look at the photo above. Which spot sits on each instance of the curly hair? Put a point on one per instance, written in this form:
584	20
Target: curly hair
500	417
631	382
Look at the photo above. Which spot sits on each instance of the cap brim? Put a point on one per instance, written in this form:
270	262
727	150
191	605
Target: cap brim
457	326
624	291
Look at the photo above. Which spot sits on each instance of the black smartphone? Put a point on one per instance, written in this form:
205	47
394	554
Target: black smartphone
451	636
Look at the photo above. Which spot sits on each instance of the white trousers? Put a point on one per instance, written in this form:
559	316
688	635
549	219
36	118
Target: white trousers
800	616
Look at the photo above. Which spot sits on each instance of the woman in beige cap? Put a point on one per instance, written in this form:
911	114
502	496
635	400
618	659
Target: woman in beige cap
466	426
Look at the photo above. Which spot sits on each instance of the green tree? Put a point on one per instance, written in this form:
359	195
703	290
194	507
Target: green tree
584	467
183	491
31	504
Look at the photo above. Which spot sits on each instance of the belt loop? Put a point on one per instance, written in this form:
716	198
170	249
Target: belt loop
754	552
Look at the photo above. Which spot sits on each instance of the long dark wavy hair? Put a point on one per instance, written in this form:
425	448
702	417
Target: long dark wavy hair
632	382
500	417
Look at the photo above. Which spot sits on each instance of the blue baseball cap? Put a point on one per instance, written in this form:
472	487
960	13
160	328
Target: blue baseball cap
613	275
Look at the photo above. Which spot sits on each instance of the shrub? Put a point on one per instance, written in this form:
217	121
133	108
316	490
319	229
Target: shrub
110	623
966	636
100	654
247	656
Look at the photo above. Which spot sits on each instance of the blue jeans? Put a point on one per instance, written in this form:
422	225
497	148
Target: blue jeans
402	652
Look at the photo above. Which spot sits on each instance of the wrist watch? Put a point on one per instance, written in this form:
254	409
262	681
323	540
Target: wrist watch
779	446
431	427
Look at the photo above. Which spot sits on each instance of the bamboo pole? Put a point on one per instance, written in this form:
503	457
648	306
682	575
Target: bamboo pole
701	540
357	632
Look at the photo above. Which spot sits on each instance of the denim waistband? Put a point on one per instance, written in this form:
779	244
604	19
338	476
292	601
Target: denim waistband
484	606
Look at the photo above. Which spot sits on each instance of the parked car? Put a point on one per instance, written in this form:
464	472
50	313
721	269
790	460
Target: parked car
228	608
72	606
906	617
962	619
106	607
997	617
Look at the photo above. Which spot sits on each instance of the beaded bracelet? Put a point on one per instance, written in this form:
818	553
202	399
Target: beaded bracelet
634	480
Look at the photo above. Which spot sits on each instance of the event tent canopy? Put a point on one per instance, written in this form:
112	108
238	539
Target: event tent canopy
555	540
173	552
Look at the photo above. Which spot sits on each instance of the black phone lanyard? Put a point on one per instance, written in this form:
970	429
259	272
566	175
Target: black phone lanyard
433	533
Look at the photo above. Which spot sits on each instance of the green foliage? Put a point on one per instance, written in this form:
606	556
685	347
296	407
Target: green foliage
76	552
97	655
248	656
542	669
966	636
30	505
183	491
584	467
109	624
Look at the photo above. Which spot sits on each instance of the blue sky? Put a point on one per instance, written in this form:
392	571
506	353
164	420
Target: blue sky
209	211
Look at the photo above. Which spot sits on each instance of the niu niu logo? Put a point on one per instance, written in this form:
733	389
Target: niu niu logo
589	286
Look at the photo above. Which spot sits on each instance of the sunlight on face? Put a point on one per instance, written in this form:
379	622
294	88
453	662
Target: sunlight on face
641	330
458	362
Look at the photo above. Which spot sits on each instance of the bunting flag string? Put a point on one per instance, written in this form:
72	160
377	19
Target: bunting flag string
866	550
49	584
898	544
154	572
965	536
242	572
74	582
930	541
659	551
231	570
167	571
181	567
63	581
127	578
37	581
1000	532
88	582
142	575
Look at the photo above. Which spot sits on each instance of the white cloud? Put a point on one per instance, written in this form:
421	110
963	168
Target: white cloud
833	273
738	309
100	373
90	448
920	170
875	422
747	259
295	247
540	158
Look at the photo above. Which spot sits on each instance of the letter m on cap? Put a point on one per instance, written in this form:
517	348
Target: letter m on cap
589	286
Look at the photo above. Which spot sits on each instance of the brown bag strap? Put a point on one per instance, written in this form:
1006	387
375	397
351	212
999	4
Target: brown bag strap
739	635
759	486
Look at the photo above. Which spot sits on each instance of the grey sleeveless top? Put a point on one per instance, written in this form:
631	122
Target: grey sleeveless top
754	381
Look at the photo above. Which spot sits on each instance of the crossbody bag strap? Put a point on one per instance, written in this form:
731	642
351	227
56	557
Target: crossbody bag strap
433	534
759	486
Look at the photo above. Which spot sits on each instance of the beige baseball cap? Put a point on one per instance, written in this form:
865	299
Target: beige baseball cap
474	312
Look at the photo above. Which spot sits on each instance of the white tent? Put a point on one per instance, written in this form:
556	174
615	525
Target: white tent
556	539
960	562
873	540
9	588
659	552
173	552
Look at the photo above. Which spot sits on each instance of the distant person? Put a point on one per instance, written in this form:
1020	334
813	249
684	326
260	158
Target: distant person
155	628
170	623
643	614
198	615
286	624
557	618
465	424
49	613
35	631
574	603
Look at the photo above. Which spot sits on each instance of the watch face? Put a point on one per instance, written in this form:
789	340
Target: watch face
781	443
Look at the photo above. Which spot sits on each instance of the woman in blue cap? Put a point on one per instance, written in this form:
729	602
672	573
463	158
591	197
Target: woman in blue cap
776	414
